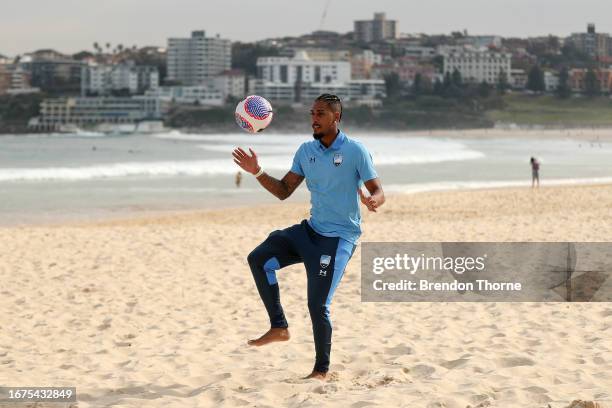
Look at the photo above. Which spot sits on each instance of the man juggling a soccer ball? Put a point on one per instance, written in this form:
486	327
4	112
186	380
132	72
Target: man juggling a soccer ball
334	167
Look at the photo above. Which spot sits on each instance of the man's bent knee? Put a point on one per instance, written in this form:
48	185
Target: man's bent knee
252	257
256	257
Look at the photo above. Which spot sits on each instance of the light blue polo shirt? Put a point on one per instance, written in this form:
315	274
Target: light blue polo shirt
333	176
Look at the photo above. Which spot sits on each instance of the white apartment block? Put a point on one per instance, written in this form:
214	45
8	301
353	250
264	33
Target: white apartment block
321	54
551	81
364	91
419	52
482	41
230	83
200	94
19	78
301	68
518	78
192	60
592	43
103	79
369	57
478	66
96	110
300	79
362	63
15	80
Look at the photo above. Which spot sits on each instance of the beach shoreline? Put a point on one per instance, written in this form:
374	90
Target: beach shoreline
498	132
501	131
150	215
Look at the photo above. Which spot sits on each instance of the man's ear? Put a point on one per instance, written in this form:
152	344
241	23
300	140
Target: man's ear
337	116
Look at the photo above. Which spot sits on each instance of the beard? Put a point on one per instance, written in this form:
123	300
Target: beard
317	136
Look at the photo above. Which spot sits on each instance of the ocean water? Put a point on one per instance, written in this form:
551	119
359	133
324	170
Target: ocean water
57	177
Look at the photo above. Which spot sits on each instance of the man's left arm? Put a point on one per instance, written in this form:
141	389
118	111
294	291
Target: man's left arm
367	173
376	197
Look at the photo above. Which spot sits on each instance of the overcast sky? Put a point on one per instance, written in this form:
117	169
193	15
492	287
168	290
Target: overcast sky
72	25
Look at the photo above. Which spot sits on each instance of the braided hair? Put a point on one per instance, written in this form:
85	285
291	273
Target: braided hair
332	101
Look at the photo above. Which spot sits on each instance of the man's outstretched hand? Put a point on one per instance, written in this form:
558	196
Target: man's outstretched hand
369	201
246	162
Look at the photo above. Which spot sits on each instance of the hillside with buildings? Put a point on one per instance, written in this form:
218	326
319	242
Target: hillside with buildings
386	79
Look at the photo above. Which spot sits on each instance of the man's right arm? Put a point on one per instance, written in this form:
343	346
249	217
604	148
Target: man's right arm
283	188
279	188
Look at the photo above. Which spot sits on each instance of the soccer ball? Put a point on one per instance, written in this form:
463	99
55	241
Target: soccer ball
253	114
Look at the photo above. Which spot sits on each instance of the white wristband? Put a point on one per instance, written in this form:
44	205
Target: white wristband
259	173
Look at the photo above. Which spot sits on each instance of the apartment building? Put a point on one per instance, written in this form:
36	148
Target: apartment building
192	60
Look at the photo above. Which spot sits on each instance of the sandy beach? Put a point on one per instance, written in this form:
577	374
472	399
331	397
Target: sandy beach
156	312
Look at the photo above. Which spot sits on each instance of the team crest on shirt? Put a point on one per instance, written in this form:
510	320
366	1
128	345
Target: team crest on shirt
337	159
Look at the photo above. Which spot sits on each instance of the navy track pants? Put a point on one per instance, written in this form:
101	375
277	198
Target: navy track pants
325	259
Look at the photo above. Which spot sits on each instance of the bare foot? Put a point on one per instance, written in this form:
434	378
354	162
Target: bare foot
273	335
317	375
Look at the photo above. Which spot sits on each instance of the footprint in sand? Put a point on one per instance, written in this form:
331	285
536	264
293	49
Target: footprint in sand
536	389
515	362
598	360
105	324
481	399
422	371
606	313
436	404
454	363
361	404
398	350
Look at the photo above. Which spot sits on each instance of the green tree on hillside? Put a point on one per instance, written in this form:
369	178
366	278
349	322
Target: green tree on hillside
417	85
450	87
502	82
563	89
535	79
573	55
447	82
484	89
392	85
438	88
438	63
457	79
591	83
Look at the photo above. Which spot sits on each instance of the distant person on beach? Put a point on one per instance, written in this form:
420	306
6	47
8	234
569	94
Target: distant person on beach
238	179
535	172
334	167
